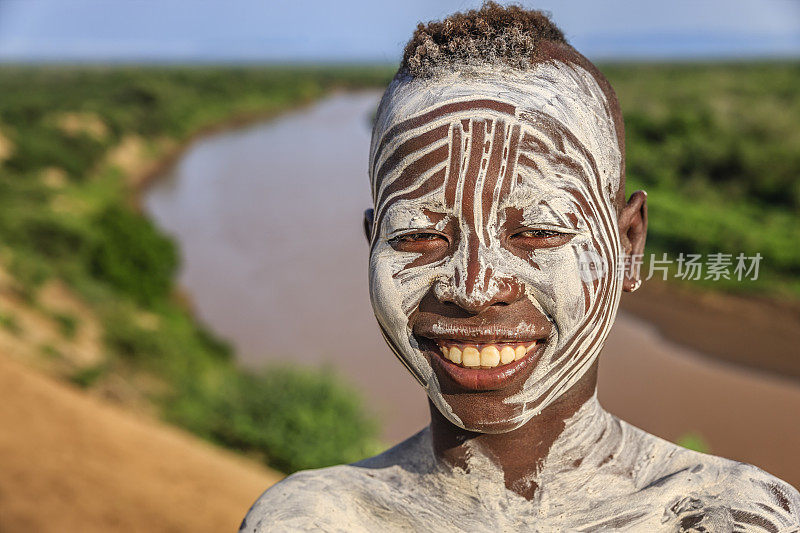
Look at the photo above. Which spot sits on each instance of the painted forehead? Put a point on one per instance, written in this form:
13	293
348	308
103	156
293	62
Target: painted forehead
554	119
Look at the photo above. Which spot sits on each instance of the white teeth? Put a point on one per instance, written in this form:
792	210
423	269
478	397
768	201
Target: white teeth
519	353
490	356
506	355
471	357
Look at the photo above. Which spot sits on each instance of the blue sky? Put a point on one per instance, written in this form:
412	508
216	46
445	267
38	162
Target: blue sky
364	30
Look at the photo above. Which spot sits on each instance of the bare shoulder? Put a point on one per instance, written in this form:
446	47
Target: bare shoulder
333	499
759	499
709	493
744	498
304	501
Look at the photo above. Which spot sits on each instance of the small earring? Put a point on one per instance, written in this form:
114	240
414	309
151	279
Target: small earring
636	285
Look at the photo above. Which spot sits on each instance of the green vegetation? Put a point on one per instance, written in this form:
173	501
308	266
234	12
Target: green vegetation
9	323
66	213
86	377
50	351
314	409
67	322
714	145
132	256
694	441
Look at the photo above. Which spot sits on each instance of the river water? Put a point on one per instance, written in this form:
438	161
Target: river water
269	224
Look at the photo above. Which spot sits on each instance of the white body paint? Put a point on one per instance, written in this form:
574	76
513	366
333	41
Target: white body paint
601	475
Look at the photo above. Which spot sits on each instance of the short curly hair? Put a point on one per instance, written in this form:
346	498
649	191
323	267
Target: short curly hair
491	34
494	35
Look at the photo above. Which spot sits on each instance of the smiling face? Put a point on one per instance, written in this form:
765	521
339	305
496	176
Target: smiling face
494	205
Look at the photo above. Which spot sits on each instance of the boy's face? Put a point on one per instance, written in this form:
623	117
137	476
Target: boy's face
494	243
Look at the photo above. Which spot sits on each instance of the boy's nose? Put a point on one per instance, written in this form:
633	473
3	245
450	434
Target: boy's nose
474	288
507	292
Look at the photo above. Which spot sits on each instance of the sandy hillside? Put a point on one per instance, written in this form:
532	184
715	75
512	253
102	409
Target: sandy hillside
71	463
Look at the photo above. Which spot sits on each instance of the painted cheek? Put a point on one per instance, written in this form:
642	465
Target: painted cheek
390	297
394	297
556	285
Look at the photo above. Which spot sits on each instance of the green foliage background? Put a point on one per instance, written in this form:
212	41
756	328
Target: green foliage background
717	147
123	267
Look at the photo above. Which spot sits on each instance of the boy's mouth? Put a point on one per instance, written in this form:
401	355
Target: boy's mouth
472	355
489	365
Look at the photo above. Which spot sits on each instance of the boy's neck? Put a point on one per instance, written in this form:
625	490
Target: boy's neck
519	453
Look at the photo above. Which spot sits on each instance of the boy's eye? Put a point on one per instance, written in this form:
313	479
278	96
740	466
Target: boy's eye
418	242
540	238
537	233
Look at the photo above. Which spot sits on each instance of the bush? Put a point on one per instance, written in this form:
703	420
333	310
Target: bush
694	441
86	377
9	323
54	237
41	147
131	255
130	341
296	418
67	323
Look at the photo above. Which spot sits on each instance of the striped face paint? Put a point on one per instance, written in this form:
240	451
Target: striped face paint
480	161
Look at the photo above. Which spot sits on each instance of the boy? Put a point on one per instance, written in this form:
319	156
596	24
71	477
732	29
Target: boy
500	242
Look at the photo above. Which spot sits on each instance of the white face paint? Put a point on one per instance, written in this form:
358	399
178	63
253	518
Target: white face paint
471	153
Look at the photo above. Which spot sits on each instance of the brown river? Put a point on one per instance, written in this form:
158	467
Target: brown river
268	221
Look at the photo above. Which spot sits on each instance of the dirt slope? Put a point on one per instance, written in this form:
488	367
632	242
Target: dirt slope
70	463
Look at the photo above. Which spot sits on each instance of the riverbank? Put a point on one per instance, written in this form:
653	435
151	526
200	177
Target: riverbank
148	169
752	332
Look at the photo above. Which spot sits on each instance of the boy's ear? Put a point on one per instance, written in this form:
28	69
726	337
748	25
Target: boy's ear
633	233
369	216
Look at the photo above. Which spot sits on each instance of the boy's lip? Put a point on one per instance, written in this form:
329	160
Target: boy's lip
493	374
